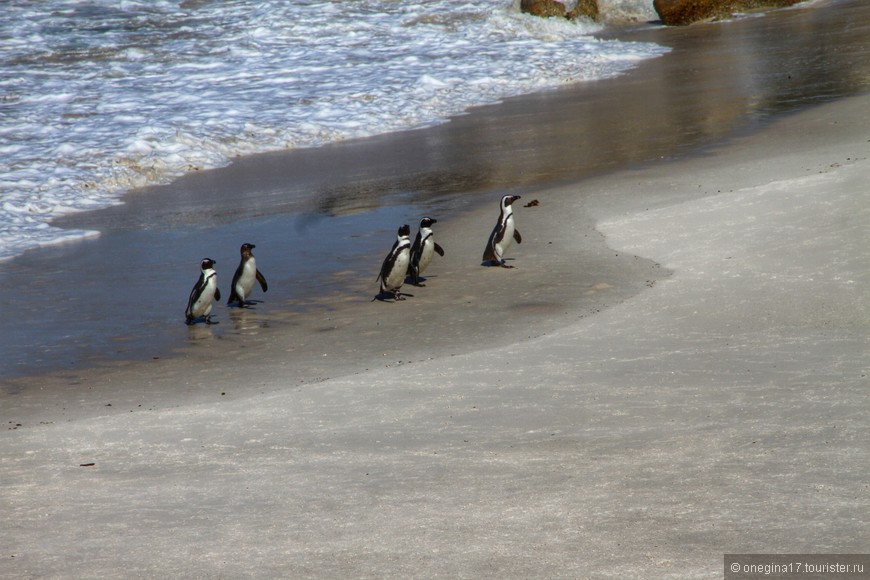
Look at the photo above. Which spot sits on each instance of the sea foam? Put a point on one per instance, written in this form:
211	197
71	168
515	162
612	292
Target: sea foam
100	98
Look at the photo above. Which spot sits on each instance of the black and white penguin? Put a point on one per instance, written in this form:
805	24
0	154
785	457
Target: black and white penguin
395	266
423	249
204	291
502	234
246	274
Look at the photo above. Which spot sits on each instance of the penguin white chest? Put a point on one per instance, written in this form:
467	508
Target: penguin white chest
245	283
502	245
426	254
396	276
202	305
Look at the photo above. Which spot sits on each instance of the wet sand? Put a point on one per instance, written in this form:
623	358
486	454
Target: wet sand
675	369
322	219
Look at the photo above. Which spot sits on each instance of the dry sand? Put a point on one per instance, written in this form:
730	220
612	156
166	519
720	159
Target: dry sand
692	381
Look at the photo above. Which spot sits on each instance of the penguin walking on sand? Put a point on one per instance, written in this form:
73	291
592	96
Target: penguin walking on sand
395	266
246	274
502	234
203	293
422	250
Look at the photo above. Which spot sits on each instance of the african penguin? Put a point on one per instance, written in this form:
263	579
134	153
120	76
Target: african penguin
395	265
502	234
204	291
246	274
423	249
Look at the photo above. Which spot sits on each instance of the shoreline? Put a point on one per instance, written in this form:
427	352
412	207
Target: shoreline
297	308
721	410
368	187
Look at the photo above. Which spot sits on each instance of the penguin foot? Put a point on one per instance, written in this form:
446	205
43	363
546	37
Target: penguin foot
494	263
208	320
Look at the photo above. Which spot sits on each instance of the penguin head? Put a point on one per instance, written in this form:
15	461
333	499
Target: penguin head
427	222
404	231
207	264
509	199
246	248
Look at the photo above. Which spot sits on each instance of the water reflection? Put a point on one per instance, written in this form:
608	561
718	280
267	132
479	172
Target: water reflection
246	321
201	332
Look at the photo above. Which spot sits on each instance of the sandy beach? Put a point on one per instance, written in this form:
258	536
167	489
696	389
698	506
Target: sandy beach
676	368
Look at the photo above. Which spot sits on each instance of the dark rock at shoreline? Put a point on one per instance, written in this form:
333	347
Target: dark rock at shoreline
683	12
587	8
544	8
552	8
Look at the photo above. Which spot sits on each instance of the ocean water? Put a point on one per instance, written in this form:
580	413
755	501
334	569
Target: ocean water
98	97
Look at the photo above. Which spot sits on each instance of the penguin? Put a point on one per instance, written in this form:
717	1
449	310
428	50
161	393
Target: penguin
422	250
502	234
243	279
204	291
395	266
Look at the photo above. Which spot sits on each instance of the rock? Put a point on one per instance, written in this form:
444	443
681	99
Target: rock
585	8
545	8
550	8
683	12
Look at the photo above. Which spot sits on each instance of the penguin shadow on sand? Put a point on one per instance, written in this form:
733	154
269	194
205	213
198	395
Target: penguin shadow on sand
503	234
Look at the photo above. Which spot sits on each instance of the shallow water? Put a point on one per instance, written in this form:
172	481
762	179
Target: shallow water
315	212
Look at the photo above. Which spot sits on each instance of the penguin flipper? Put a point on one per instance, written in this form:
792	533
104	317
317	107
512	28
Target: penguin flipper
194	294
417	246
497	236
217	293
238	274
439	249
518	237
489	252
262	280
385	267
